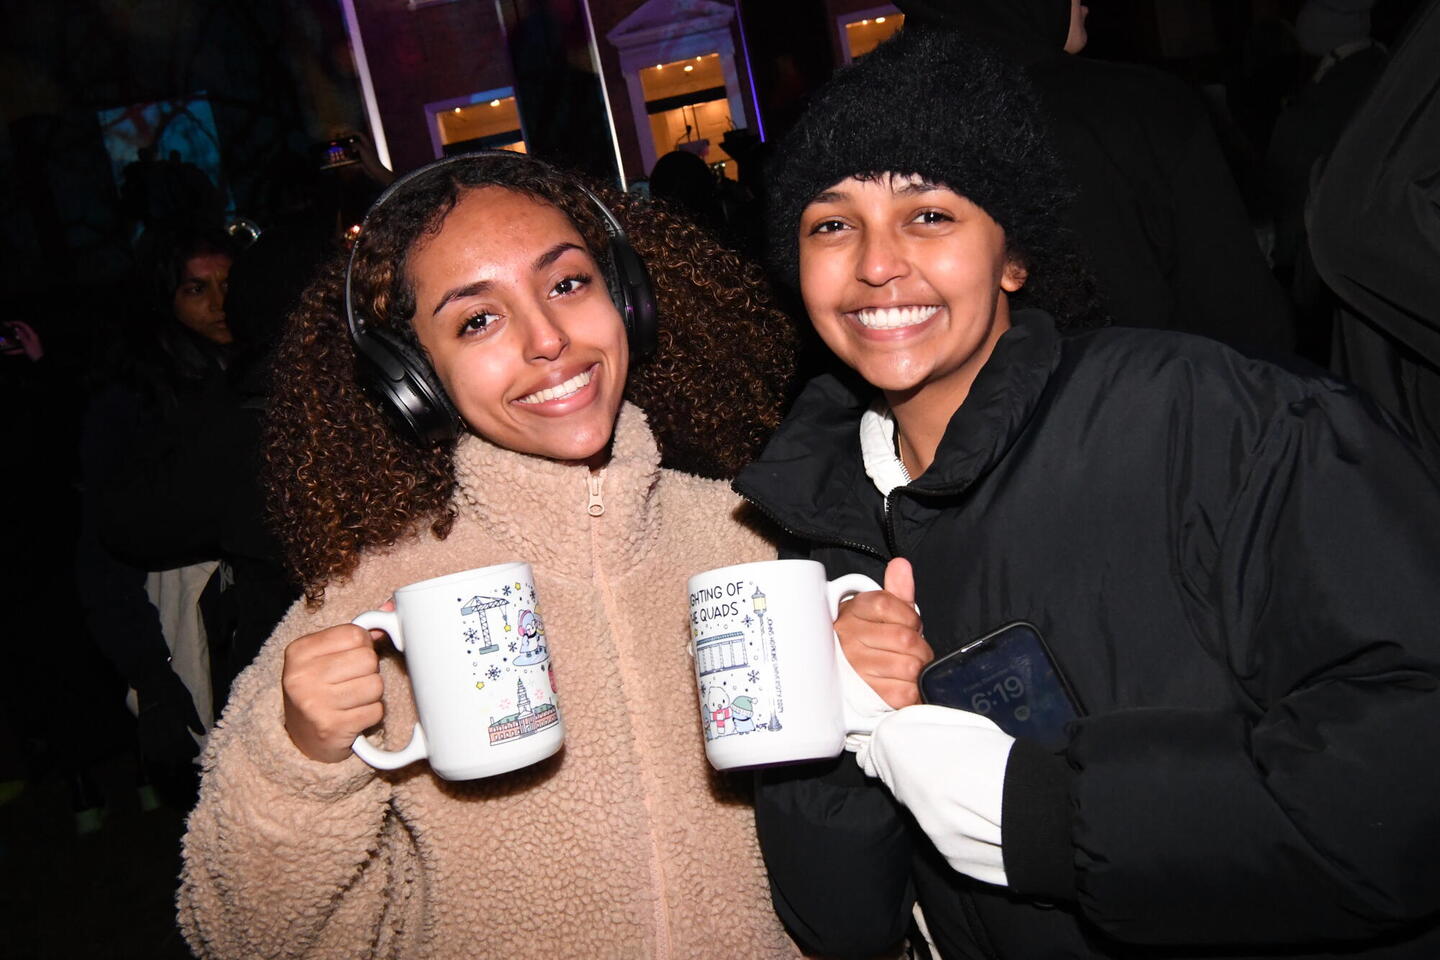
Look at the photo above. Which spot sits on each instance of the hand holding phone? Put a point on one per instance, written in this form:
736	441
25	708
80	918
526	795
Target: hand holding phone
1009	676
18	337
340	152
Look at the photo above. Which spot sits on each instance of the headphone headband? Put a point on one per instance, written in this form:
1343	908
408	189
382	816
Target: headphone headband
402	376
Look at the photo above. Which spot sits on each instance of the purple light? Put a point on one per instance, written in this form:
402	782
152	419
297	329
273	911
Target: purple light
749	73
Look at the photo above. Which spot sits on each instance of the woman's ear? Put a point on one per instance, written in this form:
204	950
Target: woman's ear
1014	276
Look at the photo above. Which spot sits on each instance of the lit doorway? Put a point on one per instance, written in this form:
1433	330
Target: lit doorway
689	109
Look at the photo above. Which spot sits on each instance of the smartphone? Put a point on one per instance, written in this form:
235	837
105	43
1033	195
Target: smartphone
337	153
1010	677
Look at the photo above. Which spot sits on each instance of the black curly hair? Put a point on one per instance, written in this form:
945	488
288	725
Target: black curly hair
930	103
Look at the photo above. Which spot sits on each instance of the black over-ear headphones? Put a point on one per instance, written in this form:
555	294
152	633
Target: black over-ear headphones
401	375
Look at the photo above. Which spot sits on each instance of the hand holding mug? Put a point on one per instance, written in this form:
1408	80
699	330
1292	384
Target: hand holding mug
480	671
774	685
332	688
880	635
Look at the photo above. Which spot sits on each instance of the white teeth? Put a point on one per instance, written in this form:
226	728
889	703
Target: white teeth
573	385
888	318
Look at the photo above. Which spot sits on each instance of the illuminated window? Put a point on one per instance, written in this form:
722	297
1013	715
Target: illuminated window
865	30
481	121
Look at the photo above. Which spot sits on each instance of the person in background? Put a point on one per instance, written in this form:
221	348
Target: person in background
168	357
714	201
552	446
198	495
1234	564
1157	212
1375	237
1347	60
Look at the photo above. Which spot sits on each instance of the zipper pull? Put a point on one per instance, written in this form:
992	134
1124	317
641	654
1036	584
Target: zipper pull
596	506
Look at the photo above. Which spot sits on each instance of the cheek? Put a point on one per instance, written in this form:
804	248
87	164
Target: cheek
475	383
972	274
188	312
820	272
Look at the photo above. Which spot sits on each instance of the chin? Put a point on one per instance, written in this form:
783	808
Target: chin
582	443
889	378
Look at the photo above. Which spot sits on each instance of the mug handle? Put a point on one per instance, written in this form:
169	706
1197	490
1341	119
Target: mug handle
416	749
861	705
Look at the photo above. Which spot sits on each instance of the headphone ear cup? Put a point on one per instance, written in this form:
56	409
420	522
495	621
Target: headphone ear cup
634	296
403	378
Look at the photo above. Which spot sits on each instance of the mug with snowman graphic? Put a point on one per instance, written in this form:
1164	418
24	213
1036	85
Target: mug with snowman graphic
771	676
480	671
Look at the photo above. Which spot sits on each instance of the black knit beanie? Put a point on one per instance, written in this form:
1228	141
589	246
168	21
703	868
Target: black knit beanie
926	102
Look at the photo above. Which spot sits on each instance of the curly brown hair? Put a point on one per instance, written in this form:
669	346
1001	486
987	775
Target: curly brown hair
342	476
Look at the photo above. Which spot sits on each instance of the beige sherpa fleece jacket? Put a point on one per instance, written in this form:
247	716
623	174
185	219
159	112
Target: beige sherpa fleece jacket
625	844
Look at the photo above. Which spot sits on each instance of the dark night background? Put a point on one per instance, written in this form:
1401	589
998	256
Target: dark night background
279	78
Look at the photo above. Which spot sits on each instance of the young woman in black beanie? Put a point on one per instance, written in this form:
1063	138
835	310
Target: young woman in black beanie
1234	565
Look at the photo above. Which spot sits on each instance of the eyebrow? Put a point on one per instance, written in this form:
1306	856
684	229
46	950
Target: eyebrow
911	187
480	286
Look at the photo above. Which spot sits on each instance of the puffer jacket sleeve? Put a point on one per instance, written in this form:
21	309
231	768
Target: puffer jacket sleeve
285	856
838	853
1310	813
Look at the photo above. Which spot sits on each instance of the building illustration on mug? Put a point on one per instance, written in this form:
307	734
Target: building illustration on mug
522	716
732	661
526	719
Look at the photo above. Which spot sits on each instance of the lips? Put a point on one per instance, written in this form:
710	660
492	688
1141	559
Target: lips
562	390
893	318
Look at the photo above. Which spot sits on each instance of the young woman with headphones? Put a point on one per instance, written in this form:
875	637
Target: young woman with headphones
535	381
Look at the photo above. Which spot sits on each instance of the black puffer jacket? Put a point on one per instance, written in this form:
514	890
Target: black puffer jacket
1237	566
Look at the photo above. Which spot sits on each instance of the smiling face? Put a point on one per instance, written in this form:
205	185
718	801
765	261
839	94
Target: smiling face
906	282
519	326
200	299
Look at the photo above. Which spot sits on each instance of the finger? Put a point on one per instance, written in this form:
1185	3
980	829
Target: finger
359	692
363	718
887	664
886	638
881	606
346	665
323	643
900	579
896	693
338	730
387	607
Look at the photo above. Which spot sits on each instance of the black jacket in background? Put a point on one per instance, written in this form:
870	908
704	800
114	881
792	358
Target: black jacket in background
196	495
1157	213
1236	567
1375	236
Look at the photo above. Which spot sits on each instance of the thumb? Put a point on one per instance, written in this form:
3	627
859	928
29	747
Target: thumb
900	579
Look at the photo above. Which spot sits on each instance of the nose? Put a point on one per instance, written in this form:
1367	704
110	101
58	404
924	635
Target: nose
544	338
216	298
881	258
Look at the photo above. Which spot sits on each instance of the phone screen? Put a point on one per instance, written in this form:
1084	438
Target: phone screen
1009	677
337	153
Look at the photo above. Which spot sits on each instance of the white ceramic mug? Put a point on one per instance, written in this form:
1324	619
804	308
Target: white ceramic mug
768	664
480	670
